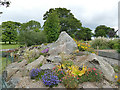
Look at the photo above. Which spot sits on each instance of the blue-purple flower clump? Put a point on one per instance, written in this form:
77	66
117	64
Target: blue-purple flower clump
49	79
34	73
45	50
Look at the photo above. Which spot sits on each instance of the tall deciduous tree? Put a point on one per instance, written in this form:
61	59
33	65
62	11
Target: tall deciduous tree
30	33
105	31
84	34
68	22
30	26
9	31
52	27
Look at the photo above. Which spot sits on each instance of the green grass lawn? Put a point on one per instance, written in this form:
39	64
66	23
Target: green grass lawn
8	46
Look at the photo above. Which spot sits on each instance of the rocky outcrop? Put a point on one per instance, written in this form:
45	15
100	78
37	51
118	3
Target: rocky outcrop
35	63
47	66
54	59
89	85
100	63
31	53
64	44
13	68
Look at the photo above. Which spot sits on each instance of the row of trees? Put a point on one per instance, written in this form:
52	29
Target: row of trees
56	21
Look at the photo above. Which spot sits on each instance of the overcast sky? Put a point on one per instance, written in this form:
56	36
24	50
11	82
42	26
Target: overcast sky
90	12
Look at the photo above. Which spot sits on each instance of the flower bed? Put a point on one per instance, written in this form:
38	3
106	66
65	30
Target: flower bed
68	74
82	46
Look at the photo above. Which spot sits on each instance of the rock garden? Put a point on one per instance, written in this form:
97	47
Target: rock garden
65	63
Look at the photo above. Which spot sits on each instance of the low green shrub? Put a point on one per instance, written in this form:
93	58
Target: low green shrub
113	44
105	43
32	38
118	50
70	81
59	72
20	61
100	42
92	75
40	64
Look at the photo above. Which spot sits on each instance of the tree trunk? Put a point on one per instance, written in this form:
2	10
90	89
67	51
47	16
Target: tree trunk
9	42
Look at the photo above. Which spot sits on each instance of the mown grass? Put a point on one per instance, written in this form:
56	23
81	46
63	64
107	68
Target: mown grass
9	46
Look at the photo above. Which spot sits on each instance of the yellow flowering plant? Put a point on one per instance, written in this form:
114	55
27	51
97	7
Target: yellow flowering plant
75	70
82	46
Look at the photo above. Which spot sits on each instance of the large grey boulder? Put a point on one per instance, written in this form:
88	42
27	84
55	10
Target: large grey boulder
64	44
31	53
105	67
22	64
13	82
47	66
35	63
11	69
89	85
55	59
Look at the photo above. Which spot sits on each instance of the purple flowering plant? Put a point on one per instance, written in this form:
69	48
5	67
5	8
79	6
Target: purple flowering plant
45	50
49	79
36	73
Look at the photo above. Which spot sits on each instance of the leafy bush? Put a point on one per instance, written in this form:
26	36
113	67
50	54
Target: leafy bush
118	50
49	79
70	81
36	73
32	38
113	44
101	42
92	75
105	43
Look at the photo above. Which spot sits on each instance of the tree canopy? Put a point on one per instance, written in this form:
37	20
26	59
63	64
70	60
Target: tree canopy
67	20
9	31
30	26
30	33
105	31
52	27
83	34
